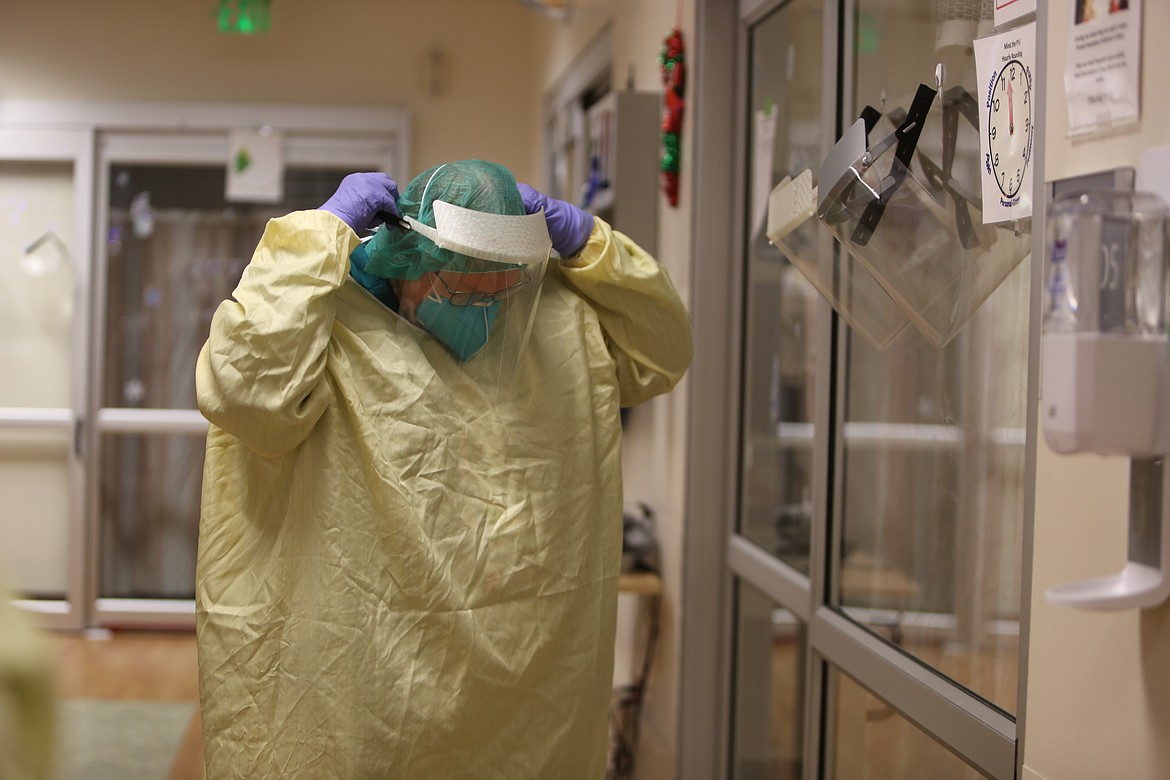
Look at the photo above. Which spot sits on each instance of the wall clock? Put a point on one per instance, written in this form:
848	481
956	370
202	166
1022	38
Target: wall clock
1004	66
1009	128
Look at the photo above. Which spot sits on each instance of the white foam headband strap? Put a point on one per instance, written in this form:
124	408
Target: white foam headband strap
502	238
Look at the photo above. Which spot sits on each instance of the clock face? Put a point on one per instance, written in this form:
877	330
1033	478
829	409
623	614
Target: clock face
1009	128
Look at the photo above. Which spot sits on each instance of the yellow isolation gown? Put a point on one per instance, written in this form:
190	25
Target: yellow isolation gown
397	579
28	697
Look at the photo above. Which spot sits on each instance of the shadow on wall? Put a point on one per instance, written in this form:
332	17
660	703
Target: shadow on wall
1155	639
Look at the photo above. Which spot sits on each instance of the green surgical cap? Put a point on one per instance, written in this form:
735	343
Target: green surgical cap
394	253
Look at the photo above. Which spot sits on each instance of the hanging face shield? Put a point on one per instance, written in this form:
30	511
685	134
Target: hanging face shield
913	223
472	279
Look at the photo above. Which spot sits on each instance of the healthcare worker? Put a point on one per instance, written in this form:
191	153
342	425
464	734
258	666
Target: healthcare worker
412	502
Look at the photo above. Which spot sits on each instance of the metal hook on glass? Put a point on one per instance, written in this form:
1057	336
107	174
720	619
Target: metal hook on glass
907	139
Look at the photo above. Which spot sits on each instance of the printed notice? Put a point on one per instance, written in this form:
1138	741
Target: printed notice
255	167
1006	10
762	153
1103	66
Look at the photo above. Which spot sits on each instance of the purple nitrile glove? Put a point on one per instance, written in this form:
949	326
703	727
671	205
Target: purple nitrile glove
360	197
568	226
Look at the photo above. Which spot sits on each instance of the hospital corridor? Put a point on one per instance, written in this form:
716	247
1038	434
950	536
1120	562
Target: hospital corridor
602	389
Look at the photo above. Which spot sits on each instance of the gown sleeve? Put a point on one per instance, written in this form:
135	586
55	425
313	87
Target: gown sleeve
645	323
259	376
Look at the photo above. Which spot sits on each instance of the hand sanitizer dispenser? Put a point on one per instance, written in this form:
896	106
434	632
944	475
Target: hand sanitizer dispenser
1105	326
1105	363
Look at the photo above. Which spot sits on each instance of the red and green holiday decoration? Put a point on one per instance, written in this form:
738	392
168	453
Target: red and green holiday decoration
670	60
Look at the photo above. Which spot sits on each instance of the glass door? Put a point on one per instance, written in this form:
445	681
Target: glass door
782	394
173	247
875	559
45	181
932	512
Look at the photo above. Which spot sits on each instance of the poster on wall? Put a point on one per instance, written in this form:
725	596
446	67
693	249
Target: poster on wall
1103	67
764	142
1005	64
255	167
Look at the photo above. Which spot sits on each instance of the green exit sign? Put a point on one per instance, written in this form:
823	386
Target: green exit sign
243	17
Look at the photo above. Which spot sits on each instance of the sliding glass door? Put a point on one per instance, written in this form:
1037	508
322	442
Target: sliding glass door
873	551
781	397
173	248
117	242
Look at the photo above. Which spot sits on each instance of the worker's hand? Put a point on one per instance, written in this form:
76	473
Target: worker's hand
360	197
568	226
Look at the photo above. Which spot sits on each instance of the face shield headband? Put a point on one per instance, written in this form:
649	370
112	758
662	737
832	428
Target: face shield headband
500	238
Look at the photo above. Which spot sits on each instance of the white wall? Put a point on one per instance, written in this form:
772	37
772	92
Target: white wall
654	448
1097	681
353	52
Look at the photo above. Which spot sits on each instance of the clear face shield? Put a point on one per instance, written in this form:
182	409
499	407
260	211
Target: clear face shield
481	306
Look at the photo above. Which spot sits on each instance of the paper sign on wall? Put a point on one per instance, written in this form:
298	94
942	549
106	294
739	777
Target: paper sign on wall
764	143
1006	10
1103	66
255	166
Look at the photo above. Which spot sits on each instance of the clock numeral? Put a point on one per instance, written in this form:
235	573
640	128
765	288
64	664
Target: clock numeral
995	160
995	105
993	132
1025	97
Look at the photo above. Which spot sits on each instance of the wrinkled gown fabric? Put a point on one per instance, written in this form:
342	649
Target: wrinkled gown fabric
396	577
28	696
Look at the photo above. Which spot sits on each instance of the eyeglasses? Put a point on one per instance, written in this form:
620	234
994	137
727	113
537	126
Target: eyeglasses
513	281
